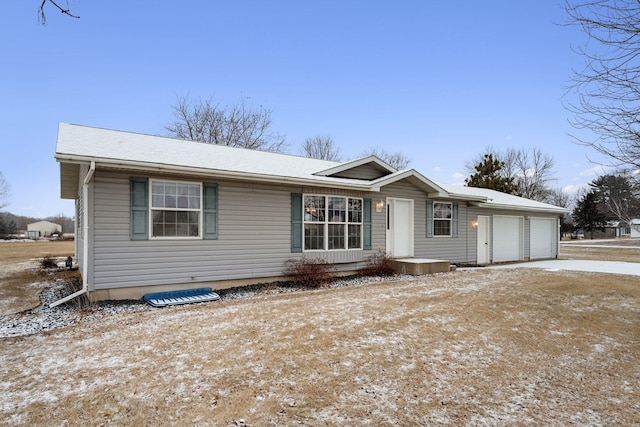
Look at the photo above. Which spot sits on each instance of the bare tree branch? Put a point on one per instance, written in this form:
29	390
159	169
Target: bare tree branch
530	170
237	126
320	147
43	18
396	160
607	87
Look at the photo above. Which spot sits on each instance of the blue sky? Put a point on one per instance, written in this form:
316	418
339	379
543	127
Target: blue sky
437	81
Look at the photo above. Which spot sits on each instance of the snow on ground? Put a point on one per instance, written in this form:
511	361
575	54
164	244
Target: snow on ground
473	347
611	267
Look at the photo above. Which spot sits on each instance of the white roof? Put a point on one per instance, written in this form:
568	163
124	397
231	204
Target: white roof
499	200
83	143
126	150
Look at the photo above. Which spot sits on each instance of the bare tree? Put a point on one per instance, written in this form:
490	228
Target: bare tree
236	126
533	172
530	170
608	97
5	191
396	160
42	16
320	147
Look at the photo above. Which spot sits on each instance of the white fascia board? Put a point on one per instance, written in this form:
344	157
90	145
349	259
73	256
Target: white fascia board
354	164
539	209
188	170
467	197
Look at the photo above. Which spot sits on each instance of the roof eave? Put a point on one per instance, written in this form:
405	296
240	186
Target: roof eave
218	173
539	209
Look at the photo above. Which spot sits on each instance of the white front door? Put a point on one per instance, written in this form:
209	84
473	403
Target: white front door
484	240
400	227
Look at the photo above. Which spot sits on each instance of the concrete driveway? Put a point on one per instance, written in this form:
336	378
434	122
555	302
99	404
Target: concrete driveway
612	267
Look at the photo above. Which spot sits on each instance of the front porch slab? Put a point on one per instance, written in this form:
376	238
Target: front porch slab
420	266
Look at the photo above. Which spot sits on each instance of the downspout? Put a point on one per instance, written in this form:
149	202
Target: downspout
85	236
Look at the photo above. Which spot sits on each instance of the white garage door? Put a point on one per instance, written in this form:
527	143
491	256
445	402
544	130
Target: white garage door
507	238
543	238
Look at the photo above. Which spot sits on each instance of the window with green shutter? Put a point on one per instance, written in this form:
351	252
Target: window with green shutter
176	209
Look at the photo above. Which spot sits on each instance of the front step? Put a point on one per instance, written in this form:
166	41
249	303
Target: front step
420	266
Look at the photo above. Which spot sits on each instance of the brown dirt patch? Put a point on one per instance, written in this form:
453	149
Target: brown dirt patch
20	279
483	346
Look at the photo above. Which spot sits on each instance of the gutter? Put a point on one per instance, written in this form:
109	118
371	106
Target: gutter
218	173
550	210
85	234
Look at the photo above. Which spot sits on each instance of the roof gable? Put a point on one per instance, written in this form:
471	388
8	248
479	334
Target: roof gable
366	168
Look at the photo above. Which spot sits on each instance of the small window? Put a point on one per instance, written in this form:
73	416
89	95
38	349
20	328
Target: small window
175	209
442	215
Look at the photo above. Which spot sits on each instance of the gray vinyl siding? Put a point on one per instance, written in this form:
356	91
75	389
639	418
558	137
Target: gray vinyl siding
254	235
454	249
366	172
254	238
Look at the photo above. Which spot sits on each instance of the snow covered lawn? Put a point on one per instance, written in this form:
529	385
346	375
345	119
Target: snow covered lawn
475	347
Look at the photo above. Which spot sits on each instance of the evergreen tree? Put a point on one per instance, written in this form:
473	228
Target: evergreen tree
488	175
618	197
588	215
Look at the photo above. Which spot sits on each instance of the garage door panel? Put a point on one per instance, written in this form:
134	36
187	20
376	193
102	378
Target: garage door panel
542	239
507	238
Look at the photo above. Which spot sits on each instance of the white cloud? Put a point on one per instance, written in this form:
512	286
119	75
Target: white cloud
437	169
594	171
573	189
458	175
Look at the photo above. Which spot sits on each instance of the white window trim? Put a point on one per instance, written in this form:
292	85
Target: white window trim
442	219
326	224
151	209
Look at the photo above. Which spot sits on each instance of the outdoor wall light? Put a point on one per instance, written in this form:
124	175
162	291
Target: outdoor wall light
474	224
379	206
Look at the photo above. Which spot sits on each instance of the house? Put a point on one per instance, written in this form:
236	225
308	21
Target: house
156	214
43	229
634	228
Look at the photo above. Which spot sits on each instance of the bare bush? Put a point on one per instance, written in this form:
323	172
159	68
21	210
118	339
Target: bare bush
378	265
48	261
309	272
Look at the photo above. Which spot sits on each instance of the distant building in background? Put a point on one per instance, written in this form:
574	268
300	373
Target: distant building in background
43	229
635	228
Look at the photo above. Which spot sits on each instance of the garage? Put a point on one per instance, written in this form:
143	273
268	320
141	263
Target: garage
543	234
507	238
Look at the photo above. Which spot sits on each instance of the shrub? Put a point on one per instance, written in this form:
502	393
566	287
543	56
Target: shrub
378	265
48	262
309	272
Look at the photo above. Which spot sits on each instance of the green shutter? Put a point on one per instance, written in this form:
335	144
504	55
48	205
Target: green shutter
210	211
139	204
429	218
454	220
296	222
366	225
